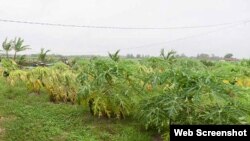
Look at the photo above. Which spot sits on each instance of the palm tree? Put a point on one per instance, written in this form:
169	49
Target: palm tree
170	55
43	54
18	46
7	46
115	57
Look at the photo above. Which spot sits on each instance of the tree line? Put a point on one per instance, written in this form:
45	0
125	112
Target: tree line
17	45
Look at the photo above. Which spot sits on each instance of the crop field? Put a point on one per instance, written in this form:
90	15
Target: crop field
131	70
120	99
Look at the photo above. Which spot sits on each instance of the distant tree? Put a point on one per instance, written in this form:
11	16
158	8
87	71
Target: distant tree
181	56
7	46
138	56
18	46
130	56
214	57
43	54
229	55
203	56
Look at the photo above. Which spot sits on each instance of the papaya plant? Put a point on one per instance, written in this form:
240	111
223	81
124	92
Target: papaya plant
107	88
191	98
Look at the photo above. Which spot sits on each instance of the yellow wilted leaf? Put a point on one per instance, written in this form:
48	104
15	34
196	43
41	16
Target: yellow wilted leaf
226	81
244	82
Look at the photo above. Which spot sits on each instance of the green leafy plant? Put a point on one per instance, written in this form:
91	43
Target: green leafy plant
43	54
191	98
61	86
170	56
115	57
107	89
7	46
18	46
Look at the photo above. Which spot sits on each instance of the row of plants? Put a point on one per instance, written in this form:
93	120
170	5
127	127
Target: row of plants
59	81
163	91
155	91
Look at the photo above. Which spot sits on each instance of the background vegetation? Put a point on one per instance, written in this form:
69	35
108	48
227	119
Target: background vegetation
118	99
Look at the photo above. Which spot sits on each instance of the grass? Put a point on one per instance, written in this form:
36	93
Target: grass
31	117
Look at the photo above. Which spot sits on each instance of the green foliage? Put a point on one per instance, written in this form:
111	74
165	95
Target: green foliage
59	82
170	56
245	62
60	66
21	60
191	98
207	63
107	87
157	91
115	57
9	65
43	54
7	46
155	63
229	55
61	86
26	117
18	46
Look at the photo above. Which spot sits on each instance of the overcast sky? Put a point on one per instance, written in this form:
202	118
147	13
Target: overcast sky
217	40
